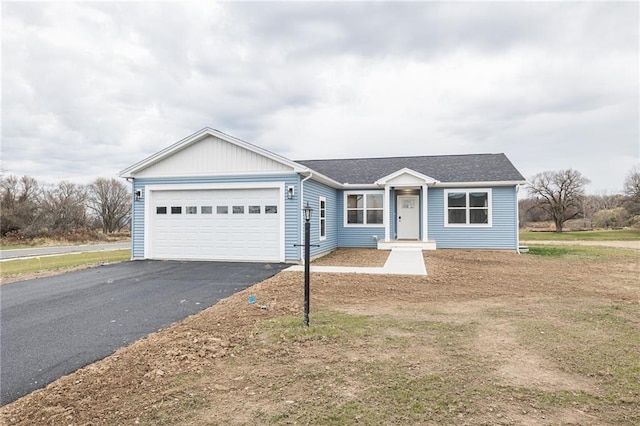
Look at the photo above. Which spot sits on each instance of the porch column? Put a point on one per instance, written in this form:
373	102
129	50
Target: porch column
425	216
387	213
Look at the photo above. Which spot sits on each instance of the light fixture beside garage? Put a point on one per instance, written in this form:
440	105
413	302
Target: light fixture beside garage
290	191
138	195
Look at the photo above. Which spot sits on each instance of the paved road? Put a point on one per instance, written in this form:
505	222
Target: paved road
52	326
43	251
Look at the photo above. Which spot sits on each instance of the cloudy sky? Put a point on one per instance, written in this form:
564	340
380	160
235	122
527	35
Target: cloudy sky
91	88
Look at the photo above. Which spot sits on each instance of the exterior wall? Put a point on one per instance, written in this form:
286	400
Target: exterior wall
503	234
213	156
290	207
312	192
356	236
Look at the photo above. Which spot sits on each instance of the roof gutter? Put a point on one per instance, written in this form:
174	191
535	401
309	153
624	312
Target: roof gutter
480	184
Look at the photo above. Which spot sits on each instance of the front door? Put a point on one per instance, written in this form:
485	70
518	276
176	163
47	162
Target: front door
408	217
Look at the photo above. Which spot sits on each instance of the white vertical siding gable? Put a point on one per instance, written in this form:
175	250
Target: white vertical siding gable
212	156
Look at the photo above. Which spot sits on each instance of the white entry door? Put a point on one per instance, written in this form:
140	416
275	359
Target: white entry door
408	217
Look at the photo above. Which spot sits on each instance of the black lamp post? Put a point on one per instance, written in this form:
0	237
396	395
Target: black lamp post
307	236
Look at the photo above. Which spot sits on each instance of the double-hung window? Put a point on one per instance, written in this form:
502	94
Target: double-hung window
467	207
322	217
364	208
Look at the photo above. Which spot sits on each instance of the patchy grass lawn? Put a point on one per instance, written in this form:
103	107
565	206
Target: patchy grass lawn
14	268
581	252
486	338
603	235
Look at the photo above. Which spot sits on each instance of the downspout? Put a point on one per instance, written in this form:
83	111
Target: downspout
517	222
300	209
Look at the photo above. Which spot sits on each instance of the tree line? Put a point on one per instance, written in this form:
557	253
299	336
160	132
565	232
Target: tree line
31	209
559	196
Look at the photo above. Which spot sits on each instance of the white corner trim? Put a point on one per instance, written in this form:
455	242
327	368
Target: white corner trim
425	213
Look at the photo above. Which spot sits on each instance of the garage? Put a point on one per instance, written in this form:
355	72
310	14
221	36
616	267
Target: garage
243	224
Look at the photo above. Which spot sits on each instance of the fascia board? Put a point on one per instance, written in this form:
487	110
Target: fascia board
480	184
319	177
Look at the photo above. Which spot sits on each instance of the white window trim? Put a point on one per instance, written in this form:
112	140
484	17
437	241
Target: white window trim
320	218
361	225
489	223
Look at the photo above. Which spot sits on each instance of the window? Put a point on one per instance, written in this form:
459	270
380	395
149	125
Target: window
322	216
176	210
470	207
238	210
206	210
161	210
222	209
254	209
192	210
364	208
271	209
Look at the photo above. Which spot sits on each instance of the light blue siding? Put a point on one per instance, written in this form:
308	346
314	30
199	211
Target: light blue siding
291	207
312	192
355	236
501	235
137	224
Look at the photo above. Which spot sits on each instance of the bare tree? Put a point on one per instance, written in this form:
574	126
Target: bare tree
632	190
110	200
530	211
18	203
601	201
560	193
64	207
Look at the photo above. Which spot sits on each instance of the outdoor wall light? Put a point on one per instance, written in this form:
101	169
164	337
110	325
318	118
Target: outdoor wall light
138	195
290	191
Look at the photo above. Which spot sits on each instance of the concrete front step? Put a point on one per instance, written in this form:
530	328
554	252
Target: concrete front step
409	244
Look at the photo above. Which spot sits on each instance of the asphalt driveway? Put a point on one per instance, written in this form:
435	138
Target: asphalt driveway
52	326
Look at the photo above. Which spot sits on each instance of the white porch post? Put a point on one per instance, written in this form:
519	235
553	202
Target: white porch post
425	216
387	213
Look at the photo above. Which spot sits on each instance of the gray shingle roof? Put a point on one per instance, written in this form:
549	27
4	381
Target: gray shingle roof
445	168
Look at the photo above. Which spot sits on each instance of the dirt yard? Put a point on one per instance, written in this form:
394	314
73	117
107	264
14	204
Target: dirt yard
486	338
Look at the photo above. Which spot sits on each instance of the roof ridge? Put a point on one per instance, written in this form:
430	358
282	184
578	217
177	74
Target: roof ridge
402	157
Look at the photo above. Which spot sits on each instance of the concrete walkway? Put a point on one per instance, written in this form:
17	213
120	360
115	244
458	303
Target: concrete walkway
401	261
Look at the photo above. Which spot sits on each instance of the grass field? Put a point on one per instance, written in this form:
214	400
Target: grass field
573	251
610	235
46	263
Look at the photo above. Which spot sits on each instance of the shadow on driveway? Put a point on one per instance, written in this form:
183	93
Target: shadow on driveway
53	326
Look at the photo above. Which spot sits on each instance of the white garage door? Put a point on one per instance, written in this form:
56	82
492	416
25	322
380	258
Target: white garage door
220	224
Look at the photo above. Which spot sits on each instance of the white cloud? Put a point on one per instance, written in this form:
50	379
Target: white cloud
90	88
